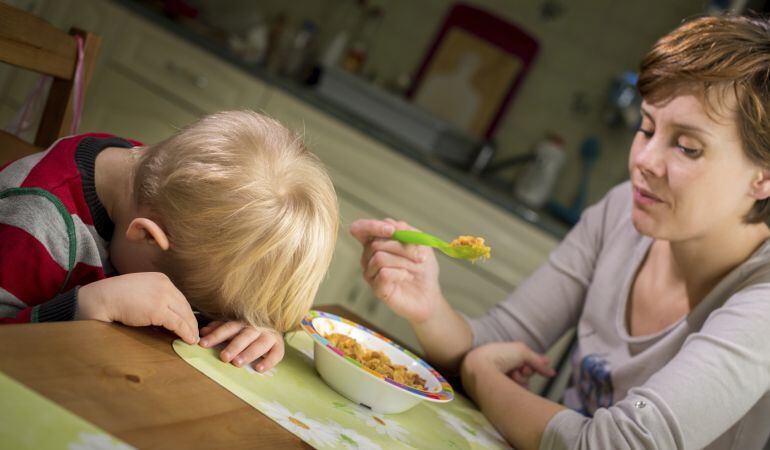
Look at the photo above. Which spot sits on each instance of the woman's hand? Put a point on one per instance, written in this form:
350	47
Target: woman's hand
139	299
519	415
403	276
514	359
247	343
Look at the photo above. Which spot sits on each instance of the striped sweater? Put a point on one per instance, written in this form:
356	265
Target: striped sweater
54	231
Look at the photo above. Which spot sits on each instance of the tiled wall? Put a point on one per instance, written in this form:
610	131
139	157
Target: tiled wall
580	51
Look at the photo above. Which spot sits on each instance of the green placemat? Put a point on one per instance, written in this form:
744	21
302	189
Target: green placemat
31	421
295	396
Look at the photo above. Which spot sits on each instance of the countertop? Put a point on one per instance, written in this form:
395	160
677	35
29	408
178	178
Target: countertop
484	189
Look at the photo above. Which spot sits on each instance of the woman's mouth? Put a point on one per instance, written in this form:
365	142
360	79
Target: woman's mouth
645	197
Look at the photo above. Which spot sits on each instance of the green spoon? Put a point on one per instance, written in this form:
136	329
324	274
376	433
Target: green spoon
461	251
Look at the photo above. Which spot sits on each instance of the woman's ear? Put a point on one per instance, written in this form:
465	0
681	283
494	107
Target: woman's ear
146	230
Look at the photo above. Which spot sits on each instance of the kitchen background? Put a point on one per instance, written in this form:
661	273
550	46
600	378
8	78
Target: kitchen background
165	63
584	46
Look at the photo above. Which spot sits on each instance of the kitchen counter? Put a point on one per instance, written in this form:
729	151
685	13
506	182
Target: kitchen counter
484	189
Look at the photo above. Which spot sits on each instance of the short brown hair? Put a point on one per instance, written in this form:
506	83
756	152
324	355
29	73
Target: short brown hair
726	52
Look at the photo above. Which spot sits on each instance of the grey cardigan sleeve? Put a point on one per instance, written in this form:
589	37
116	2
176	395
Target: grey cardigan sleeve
717	377
549	302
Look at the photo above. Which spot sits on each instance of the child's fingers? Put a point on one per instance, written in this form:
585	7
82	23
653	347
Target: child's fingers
259	347
238	344
179	306
211	326
173	321
271	358
221	334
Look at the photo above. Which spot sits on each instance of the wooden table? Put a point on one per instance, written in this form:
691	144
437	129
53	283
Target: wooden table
129	382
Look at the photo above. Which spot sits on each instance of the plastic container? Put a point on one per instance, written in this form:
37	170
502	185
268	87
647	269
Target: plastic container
535	184
365	386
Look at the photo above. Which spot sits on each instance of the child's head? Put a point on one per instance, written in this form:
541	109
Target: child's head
250	213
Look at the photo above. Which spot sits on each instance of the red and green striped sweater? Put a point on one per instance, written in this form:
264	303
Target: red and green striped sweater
54	231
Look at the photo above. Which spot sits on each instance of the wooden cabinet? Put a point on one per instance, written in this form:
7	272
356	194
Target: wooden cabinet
189	76
122	104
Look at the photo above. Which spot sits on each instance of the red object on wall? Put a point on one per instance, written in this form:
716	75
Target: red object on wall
497	32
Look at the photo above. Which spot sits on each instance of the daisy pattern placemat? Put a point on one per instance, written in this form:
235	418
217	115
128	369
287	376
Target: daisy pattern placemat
31	421
295	396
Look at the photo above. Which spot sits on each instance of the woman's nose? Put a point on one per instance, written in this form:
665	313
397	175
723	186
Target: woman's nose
649	157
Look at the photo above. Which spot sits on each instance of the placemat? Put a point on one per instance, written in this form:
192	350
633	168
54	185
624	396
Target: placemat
31	421
295	396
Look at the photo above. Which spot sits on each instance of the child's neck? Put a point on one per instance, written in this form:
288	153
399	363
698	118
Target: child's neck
113	179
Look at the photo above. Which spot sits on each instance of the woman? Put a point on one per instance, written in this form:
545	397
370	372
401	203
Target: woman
667	278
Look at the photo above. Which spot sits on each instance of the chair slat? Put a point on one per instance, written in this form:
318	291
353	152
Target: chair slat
31	43
58	112
13	148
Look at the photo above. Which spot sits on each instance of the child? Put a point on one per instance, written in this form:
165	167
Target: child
231	216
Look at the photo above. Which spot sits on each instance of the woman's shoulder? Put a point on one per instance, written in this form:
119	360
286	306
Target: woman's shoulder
617	201
612	214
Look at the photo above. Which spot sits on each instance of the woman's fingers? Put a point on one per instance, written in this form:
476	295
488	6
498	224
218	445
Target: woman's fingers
519	378
386	282
409	251
364	230
400	224
381	260
538	363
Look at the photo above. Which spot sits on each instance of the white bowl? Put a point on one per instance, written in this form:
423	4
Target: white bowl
362	385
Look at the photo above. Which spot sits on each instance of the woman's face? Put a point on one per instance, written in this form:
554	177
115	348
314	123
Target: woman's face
689	172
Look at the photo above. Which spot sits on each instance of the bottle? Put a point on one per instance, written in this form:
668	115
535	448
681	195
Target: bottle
298	56
355	56
535	185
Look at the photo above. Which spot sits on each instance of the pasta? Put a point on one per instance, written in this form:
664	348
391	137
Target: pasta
473	242
376	361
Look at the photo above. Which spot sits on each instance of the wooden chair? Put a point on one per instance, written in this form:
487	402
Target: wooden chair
31	43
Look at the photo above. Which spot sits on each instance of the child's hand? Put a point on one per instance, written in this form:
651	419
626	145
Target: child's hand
247	343
139	299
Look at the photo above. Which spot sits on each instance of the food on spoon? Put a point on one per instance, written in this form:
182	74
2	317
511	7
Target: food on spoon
476	244
376	361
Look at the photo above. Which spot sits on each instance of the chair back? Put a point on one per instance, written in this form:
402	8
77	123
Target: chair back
31	43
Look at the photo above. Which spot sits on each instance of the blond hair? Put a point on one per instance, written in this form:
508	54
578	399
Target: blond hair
251	215
728	53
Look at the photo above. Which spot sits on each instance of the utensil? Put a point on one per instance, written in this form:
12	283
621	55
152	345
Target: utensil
454	250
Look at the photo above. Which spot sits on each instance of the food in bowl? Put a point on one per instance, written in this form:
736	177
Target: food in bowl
361	384
377	361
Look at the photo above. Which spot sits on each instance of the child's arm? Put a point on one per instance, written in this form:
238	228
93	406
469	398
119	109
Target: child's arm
138	299
247	343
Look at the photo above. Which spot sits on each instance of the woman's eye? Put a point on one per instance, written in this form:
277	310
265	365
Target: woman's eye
690	152
647	133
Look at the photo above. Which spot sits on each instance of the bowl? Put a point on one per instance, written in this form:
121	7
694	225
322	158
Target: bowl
365	386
